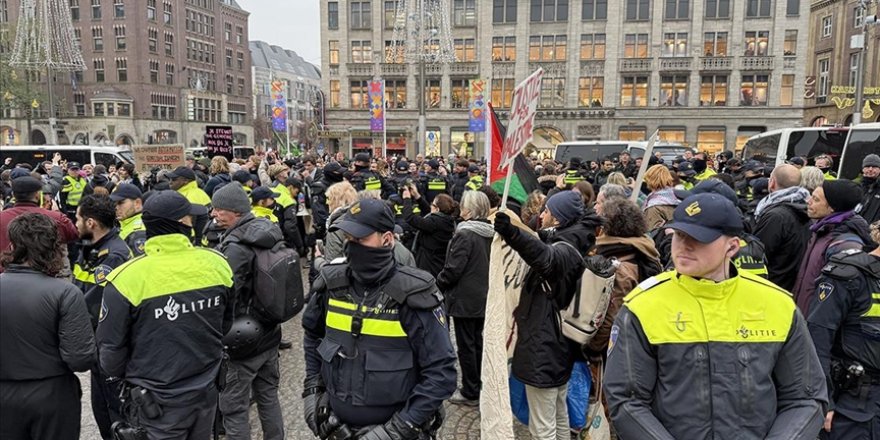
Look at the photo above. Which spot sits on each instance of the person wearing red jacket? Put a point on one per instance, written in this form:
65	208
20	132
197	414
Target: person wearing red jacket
27	193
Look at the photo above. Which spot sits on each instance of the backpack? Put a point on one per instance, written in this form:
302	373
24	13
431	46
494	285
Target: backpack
277	293
586	312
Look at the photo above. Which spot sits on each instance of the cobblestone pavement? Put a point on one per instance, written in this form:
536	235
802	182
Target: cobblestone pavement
463	423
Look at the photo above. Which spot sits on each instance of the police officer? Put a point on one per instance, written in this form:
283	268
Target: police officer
129	204
845	325
752	169
475	179
161	327
379	361
183	180
102	251
433	183
707	351
364	179
574	173
263	203
402	179
72	189
687	175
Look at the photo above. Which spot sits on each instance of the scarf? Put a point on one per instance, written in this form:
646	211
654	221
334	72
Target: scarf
662	197
795	194
370	266
162	226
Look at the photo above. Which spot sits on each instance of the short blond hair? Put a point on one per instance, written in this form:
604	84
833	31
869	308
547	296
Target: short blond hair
617	178
658	177
219	165
341	194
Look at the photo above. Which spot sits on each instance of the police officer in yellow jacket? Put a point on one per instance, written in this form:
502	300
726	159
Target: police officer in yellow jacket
844	322
129	204
72	189
708	352
162	323
102	251
475	179
379	360
263	203
433	183
183	180
364	179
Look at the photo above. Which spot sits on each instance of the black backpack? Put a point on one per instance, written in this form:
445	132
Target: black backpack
277	293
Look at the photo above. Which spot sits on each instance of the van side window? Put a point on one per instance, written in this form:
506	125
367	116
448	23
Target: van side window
105	159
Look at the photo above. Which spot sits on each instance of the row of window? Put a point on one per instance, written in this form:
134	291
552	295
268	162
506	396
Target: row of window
823	81
828	21
119	10
592	47
199	23
634	92
505	11
199	51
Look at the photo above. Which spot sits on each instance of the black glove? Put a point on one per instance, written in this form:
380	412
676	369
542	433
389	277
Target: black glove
503	226
394	429
316	404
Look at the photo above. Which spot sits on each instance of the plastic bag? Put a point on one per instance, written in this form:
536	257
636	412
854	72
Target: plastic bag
578	398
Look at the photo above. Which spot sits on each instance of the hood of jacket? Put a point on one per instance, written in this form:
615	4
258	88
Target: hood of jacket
613	246
581	234
479	227
256	231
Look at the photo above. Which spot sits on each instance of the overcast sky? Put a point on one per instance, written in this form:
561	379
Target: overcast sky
291	24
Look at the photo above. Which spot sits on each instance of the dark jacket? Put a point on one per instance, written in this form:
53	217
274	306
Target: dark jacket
543	357
434	233
458	184
237	245
784	229
870	207
162	327
216	182
464	279
44	326
832	234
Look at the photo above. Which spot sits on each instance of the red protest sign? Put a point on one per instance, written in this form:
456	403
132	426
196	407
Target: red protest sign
522	117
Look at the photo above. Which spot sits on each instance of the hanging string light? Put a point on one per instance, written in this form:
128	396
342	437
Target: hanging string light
45	38
422	32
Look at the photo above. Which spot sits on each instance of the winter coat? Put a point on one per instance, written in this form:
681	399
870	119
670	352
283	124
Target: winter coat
45	330
238	246
464	279
547	183
784	230
870	207
543	357
434	233
638	260
832	234
216	182
659	206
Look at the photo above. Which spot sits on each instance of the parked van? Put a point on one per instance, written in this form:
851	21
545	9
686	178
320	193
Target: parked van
596	150
863	139
36	154
774	147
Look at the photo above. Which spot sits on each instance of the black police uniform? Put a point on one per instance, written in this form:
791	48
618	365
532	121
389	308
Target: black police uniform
574	175
409	233
845	326
364	179
394	358
90	272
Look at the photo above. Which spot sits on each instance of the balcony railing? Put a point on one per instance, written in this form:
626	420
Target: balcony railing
360	69
636	64
552	69
675	63
503	69
593	68
393	69
756	63
716	63
464	68
433	69
789	62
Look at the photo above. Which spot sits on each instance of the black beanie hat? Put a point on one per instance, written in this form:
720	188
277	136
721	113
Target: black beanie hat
842	195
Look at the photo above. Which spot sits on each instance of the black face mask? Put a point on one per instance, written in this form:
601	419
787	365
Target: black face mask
824	170
699	166
370	266
161	226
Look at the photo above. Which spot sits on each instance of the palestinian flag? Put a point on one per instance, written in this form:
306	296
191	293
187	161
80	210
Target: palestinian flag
524	179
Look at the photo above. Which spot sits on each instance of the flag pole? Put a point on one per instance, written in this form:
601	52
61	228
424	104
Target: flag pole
649	150
503	206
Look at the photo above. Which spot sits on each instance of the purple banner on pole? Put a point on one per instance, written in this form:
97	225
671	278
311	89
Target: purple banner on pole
279	107
376	99
477	117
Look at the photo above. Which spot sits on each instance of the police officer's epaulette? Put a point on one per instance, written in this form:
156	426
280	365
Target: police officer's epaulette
846	264
649	284
415	288
333	275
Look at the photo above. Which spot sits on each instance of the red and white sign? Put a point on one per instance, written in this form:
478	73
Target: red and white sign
522	117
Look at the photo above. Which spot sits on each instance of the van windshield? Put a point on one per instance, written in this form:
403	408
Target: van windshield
127	156
564	153
765	147
810	144
861	143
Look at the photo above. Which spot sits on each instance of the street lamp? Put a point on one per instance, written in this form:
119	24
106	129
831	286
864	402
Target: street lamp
859	42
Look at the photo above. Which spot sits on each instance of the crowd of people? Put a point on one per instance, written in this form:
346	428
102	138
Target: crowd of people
744	303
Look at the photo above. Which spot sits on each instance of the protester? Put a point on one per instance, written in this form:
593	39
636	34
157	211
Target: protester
837	228
434	230
45	333
339	197
253	370
651	382
606	192
464	282
531	211
220	175
661	201
811	178
782	225
543	357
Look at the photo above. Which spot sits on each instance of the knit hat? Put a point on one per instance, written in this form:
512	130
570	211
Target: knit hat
842	195
566	206
231	198
434	164
274	169
871	160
